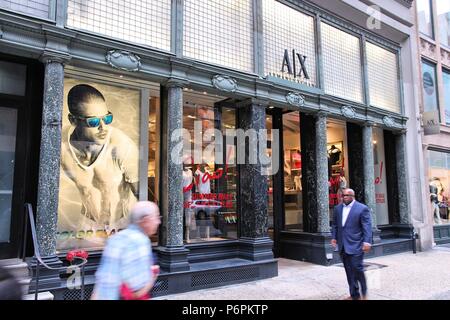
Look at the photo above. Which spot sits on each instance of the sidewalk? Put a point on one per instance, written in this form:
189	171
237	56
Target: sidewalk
425	275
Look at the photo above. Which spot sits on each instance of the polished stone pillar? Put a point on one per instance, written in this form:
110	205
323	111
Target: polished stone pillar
323	217
402	182
355	160
172	253
369	173
49	161
309	172
254	242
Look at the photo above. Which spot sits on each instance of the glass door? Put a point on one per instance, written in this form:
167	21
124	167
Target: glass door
10	213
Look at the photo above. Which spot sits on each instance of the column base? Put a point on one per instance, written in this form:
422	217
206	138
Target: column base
173	259
376	235
256	249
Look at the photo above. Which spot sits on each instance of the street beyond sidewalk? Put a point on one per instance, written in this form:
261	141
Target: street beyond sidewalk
404	276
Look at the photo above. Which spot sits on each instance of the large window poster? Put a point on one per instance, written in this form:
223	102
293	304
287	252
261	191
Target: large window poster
99	162
380	177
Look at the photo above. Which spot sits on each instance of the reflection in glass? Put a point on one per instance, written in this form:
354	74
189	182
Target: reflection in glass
424	17
293	201
8	122
443	14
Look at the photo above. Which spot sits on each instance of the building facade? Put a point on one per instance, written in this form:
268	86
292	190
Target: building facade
108	102
433	32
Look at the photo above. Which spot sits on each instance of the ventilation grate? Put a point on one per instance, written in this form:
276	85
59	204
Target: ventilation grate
76	294
208	279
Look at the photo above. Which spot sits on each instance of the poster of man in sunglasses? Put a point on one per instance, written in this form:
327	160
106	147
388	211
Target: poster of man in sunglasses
99	162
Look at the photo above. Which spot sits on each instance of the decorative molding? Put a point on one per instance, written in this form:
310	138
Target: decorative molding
348	112
389	121
123	60
224	83
445	57
427	48
295	99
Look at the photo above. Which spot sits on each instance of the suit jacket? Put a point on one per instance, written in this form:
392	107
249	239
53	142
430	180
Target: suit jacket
357	228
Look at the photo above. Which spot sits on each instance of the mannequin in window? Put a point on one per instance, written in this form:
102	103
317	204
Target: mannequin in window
342	184
189	216
202	175
203	184
435	190
334	154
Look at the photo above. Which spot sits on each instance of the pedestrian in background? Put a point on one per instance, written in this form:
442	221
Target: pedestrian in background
127	268
352	234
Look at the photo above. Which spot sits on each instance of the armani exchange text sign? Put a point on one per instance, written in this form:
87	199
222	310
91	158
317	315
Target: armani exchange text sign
298	63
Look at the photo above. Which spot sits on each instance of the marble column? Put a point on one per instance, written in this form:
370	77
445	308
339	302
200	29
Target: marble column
323	216
402	183
369	173
254	242
309	172
355	160
172	253
49	158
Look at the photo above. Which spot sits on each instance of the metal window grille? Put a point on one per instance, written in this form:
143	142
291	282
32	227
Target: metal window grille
37	8
139	21
219	32
286	28
341	63
383	78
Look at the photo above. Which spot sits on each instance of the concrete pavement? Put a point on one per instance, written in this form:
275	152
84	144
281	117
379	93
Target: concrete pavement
404	276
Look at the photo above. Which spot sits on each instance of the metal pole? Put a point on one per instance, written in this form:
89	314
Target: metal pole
36	291
82	282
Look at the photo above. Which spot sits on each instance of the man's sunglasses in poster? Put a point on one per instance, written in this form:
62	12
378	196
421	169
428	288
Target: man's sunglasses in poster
94	122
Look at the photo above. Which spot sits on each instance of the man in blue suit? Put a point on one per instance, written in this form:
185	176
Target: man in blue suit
352	234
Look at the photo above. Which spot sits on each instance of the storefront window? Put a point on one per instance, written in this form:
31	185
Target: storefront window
341	63
424	17
446	81
210	175
439	184
219	32
443	14
337	162
145	22
293	199
99	176
380	177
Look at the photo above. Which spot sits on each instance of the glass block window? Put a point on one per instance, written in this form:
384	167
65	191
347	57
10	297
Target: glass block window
288	29
140	21
383	78
219	32
341	63
37	8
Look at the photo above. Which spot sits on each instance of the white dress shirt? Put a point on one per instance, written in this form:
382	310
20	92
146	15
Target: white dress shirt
345	211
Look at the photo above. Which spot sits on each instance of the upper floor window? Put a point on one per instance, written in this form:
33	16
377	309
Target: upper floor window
145	22
424	17
341	63
383	78
443	14
36	8
288	37
219	32
446	81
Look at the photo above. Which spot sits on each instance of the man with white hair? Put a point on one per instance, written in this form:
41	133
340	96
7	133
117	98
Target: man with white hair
127	259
